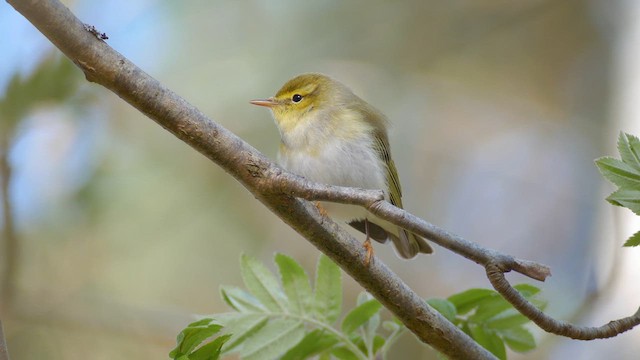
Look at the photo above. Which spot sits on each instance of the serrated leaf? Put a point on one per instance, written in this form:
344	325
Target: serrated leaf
628	146
295	283
631	205
618	172
328	290
240	300
634	240
444	307
193	335
468	300
313	343
489	340
273	340
629	198
360	315
519	339
242	327
262	284
210	351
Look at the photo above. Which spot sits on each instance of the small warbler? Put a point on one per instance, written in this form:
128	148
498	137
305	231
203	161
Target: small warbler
329	135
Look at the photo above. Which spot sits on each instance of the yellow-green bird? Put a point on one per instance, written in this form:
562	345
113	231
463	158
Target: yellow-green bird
329	135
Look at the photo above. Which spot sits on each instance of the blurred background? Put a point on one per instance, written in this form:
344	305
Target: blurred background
114	232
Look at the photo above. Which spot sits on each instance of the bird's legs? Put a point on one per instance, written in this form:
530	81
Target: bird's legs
367	243
320	208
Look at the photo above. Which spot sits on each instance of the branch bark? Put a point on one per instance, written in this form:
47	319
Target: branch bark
281	191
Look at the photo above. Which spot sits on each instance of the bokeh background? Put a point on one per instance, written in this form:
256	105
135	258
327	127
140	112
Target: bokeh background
114	232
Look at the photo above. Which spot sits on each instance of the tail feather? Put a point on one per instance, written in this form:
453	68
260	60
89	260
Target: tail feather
408	244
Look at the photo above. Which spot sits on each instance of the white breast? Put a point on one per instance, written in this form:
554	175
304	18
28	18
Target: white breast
354	164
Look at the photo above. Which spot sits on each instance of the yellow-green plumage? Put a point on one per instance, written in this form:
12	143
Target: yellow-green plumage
330	135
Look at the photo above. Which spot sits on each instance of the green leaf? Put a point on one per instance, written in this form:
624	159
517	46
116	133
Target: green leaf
54	80
489	308
342	353
210	351
193	335
360	315
242	327
372	325
511	318
273	340
634	240
629	148
444	307
328	291
313	343
378	343
295	283
527	290
618	172
489	340
493	306
518	339
240	300
629	198
262	284
468	300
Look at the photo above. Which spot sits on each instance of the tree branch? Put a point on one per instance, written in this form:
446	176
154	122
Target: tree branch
280	191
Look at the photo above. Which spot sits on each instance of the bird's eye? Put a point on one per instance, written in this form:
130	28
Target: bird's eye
296	98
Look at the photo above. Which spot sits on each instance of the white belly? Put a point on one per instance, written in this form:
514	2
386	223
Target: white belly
353	164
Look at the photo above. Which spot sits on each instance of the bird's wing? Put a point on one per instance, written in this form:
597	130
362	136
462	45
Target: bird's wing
381	145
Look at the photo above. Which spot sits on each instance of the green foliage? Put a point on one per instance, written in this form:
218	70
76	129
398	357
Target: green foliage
625	174
55	79
286	318
194	335
489	319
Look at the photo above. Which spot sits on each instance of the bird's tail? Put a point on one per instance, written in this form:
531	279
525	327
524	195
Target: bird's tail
408	244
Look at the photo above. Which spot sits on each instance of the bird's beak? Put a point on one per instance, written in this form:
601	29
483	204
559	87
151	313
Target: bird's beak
269	102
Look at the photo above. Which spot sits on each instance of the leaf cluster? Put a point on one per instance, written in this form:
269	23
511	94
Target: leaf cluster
625	174
288	319
489	319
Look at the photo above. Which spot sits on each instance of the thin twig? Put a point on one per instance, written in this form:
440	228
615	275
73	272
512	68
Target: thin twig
494	262
373	200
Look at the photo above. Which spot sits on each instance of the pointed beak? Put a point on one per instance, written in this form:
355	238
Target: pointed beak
270	102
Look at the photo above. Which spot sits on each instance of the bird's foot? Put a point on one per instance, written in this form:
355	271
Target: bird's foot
321	209
369	248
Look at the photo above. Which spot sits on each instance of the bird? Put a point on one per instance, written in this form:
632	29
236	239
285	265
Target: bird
330	135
